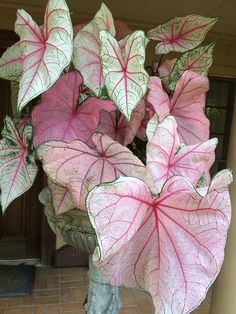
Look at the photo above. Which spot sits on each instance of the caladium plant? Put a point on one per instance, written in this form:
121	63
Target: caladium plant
131	149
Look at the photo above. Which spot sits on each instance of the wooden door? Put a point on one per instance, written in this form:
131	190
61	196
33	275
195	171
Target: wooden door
22	224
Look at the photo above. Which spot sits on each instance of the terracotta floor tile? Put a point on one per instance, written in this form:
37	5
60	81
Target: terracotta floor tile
47	300
41	309
54	309
47	293
71	284
129	310
72	307
71	277
19	310
66	295
3	303
73	312
27	300
67	292
79	294
53	282
41	282
13	302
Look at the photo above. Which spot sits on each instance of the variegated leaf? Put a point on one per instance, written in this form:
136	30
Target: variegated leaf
165	156
172	245
45	52
60	103
186	105
124	75
17	171
87	49
11	63
198	60
181	33
79	168
61	198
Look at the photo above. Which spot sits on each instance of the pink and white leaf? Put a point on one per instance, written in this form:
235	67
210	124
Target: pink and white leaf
87	49
158	98
122	131
186	105
124	75
198	60
165	159
16	169
181	33
61	199
11	63
79	168
45	52
152	126
171	246
58	117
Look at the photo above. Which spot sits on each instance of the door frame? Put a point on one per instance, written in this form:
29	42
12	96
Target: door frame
48	237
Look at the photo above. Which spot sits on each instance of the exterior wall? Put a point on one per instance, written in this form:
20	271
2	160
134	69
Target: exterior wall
223	297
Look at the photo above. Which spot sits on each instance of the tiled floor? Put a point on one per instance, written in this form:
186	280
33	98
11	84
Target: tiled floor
62	291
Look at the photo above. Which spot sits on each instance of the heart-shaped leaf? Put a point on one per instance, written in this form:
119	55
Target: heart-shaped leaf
171	246
165	159
122	131
61	199
186	105
87	49
65	164
16	169
198	60
142	132
59	103
11	63
181	33
124	75
45	52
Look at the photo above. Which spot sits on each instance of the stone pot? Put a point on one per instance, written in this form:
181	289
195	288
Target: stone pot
75	229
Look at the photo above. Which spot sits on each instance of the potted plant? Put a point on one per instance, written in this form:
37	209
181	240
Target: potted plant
128	149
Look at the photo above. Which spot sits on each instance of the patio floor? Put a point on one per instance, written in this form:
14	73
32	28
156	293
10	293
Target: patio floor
62	291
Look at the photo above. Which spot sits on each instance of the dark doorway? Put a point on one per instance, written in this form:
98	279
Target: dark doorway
24	232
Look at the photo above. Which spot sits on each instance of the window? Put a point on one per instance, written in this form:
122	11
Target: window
219	110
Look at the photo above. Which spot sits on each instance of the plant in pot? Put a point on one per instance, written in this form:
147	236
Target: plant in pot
125	151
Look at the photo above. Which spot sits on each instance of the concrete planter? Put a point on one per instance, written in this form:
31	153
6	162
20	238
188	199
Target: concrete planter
75	229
